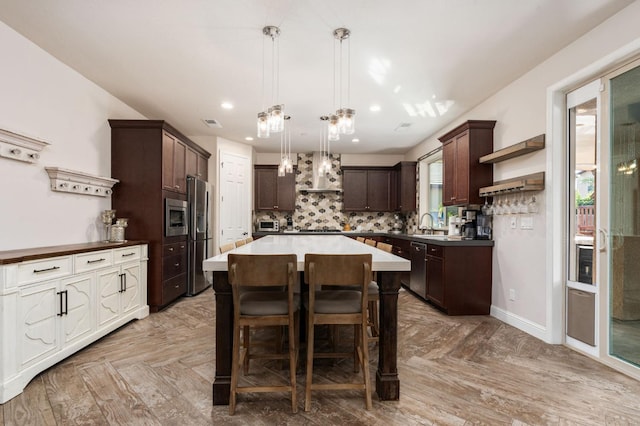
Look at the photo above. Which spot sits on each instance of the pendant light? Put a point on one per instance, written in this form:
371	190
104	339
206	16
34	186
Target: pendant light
286	162
271	120
325	147
345	116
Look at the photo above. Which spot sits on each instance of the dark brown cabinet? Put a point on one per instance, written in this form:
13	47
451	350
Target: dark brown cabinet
366	189
405	186
273	192
151	159
174	154
453	285
464	175
196	165
435	275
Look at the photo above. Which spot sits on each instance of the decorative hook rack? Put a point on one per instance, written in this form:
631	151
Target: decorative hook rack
63	180
20	147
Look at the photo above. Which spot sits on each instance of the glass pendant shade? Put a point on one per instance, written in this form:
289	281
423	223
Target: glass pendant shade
281	170
333	129
276	118
346	121
263	125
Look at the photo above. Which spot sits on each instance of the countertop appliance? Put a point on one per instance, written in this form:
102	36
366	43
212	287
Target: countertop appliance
199	236
484	227
470	225
418	275
268	226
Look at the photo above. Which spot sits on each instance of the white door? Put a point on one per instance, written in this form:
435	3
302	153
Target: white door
583	213
235	211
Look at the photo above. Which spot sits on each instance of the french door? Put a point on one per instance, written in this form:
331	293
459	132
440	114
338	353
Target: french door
603	219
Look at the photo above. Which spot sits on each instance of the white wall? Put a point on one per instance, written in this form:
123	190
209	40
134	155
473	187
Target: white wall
43	98
521	260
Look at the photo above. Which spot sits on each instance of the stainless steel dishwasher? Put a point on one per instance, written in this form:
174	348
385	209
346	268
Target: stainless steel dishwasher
418	277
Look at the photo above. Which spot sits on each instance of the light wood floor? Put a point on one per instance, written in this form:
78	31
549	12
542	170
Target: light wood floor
453	370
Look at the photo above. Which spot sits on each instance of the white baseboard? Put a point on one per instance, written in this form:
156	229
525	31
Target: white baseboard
536	330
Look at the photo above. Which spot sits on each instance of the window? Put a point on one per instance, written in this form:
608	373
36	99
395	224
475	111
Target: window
431	190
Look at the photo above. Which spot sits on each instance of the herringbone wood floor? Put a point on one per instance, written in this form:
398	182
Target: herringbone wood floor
453	370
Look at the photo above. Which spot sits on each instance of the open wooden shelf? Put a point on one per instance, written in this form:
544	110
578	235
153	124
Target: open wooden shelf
532	182
525	147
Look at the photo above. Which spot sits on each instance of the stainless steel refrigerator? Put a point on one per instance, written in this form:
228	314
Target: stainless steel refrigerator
199	237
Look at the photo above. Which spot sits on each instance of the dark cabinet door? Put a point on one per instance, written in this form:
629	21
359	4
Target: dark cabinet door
403	187
192	162
463	174
461	185
354	185
379	190
266	190
435	280
174	156
286	192
273	192
203	167
168	142
449	164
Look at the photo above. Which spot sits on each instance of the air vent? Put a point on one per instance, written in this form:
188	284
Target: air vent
212	123
402	127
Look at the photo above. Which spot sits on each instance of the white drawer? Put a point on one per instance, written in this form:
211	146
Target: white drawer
44	269
126	254
93	260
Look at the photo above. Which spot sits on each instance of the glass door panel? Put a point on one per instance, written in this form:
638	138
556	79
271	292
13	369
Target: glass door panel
624	215
582	206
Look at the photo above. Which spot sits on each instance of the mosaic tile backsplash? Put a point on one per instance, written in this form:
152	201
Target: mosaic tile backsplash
323	210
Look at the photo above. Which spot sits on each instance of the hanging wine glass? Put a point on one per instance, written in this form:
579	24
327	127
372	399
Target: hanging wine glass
533	205
485	207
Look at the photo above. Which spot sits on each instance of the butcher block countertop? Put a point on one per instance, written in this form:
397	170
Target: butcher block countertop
21	255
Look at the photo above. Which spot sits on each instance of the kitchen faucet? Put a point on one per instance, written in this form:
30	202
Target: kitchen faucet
430	228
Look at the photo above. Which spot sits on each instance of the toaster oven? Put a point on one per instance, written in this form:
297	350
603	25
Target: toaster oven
268	226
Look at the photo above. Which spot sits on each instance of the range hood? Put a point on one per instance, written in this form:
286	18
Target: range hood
319	181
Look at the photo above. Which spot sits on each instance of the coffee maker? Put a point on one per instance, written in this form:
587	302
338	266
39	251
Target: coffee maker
484	227
469	226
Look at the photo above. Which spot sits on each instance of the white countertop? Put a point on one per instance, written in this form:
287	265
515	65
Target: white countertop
302	244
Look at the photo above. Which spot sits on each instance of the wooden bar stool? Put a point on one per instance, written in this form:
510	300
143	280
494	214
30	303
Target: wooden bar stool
277	306
226	247
361	239
370	242
240	243
336	307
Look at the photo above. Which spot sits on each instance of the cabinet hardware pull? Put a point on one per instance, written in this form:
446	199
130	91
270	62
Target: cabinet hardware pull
53	268
66	302
96	261
125	282
60	294
121	283
170	248
176	265
128	254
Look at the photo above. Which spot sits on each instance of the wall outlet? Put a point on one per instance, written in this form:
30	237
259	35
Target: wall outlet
514	222
512	294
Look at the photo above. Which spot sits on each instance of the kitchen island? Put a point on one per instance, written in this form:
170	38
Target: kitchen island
387	265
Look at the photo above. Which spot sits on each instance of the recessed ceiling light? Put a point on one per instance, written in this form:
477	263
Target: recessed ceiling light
374	108
226	105
248	138
355	140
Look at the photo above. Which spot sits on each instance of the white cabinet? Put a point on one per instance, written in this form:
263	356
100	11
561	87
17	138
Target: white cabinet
52	307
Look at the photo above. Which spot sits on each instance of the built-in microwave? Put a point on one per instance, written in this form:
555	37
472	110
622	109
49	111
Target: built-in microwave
175	217
268	226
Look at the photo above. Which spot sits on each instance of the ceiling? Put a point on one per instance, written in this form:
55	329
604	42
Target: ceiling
423	62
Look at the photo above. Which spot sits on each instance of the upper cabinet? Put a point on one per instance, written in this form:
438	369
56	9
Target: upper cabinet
405	186
273	192
367	188
196	165
174	155
464	175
